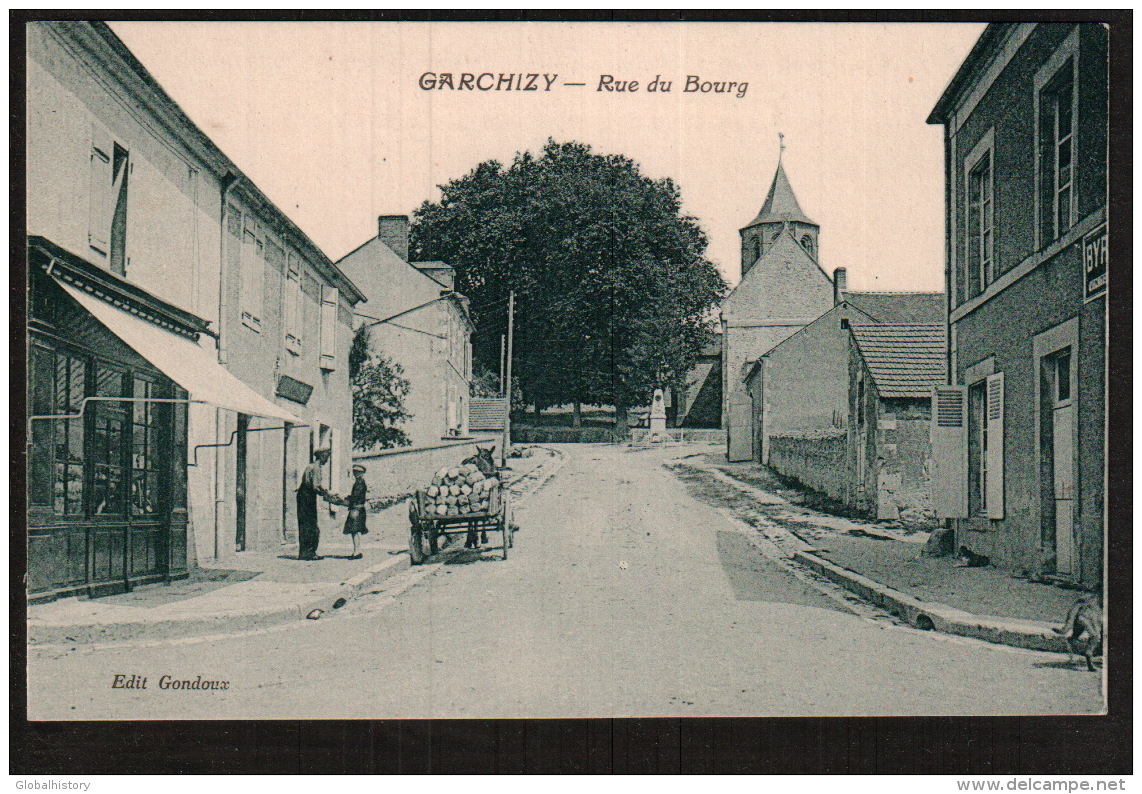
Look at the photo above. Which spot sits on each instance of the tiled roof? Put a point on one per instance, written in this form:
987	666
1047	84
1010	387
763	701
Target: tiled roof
905	359
900	307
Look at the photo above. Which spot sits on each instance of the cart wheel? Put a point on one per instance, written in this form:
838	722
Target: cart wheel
416	552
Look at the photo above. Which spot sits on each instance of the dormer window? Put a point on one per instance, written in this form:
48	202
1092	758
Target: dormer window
807	244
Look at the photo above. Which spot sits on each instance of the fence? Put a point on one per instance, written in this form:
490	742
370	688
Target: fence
684	435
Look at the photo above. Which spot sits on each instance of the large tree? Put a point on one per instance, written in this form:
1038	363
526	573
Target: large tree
613	290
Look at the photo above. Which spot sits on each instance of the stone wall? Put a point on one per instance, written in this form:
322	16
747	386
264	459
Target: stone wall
819	462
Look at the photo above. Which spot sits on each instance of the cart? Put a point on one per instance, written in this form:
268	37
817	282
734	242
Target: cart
426	530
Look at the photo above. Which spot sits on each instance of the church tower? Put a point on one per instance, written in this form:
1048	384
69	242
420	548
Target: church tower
780	213
782	289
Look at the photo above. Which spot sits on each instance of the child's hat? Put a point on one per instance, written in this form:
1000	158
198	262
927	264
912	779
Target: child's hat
358	468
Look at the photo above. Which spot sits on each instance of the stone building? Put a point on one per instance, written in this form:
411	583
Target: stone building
782	289
892	370
189	337
1019	431
418	320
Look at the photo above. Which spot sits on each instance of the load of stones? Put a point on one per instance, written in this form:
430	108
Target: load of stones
460	490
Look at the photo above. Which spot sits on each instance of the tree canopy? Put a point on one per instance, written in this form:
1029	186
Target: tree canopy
379	392
613	291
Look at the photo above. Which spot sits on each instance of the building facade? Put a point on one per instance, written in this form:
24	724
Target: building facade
1019	431
124	190
417	319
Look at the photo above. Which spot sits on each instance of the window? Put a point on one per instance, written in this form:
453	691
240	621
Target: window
146	449
985	447
807	244
1063	376
977	448
109	429
57	470
107	220
329	302
981	226
252	267
1056	156
755	253
1056	129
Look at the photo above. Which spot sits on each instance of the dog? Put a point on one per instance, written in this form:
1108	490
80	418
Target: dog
1082	629
966	558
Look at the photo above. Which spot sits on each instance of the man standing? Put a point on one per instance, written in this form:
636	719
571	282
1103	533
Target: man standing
308	534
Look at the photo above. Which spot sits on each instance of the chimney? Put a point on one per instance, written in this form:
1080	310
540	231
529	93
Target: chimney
840	285
393	231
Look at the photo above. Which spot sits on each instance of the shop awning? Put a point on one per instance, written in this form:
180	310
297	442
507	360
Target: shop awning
187	363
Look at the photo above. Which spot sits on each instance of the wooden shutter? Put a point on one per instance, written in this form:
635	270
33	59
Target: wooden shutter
329	328
949	452
251	285
994	416
292	301
101	204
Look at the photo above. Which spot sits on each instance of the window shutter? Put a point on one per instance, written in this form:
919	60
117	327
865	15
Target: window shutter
251	285
329	328
994	414
292	301
101	204
949	451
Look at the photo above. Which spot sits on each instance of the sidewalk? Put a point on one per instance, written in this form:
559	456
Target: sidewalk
882	563
251	589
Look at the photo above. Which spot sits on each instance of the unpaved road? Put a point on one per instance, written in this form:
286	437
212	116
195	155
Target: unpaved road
624	596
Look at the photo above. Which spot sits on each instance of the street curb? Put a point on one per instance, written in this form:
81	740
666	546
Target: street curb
172	627
1028	634
355	585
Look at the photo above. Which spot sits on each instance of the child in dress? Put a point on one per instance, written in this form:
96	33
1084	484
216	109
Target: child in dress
355	521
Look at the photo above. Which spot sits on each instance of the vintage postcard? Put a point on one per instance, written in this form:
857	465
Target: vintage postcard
565	370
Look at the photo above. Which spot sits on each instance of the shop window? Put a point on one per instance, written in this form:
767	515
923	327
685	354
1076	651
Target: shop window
57	464
106	450
146	450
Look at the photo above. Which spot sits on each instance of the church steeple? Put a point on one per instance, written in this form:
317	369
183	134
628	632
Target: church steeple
779	214
780	203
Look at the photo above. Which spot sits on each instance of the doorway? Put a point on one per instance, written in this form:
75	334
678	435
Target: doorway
1057	457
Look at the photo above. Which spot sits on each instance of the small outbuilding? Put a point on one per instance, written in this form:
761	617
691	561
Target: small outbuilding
892	371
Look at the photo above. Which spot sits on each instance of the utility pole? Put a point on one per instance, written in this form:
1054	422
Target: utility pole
503	391
508	382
